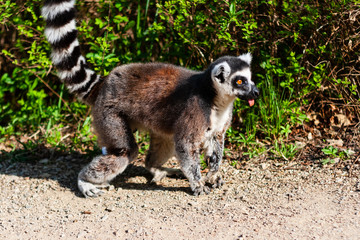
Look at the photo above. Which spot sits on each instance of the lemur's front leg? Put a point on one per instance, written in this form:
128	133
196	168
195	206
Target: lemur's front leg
214	154
188	155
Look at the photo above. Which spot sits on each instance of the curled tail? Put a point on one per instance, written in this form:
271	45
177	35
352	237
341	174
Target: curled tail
61	33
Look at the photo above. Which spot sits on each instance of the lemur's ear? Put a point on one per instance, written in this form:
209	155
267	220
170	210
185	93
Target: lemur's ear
220	72
246	58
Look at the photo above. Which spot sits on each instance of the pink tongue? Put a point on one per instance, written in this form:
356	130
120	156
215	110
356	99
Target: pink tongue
251	102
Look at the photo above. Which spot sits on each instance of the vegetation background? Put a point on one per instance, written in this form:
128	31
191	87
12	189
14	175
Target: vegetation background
306	64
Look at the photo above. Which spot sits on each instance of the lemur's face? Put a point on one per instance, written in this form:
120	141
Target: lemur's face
232	77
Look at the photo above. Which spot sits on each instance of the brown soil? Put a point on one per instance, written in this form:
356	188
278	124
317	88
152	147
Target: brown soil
264	201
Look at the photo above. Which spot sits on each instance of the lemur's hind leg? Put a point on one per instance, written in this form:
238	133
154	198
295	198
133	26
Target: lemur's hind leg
161	150
115	134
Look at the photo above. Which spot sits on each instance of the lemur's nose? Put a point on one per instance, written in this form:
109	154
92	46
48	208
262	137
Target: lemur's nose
255	91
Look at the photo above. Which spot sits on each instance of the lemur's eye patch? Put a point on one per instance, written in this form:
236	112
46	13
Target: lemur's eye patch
239	80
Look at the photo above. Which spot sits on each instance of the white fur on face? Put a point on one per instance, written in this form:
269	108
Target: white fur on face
227	89
246	58
244	73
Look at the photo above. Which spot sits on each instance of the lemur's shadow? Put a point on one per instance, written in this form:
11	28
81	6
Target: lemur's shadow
44	163
121	181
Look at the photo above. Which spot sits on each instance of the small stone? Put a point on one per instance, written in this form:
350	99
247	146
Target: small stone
240	237
339	180
335	142
317	132
351	152
81	234
244	211
336	160
44	161
310	137
357	187
264	165
301	144
109	209
45	175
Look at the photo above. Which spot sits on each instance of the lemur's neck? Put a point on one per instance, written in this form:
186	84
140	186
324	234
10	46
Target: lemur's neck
223	102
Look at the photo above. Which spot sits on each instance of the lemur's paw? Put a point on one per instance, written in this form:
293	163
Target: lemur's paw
158	176
89	190
201	189
216	182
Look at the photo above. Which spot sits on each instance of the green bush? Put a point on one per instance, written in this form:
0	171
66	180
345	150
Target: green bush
303	50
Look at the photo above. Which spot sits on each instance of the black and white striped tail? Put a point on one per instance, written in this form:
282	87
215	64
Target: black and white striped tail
61	33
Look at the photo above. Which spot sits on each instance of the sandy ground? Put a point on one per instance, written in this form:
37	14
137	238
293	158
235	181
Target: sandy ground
40	201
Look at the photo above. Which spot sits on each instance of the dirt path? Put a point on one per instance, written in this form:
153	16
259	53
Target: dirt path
40	201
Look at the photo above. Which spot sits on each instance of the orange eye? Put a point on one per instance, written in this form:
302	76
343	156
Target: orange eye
239	82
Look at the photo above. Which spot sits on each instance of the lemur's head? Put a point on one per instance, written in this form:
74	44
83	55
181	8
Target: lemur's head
232	77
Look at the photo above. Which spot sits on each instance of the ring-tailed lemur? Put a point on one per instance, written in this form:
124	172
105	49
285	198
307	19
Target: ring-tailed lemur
184	110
